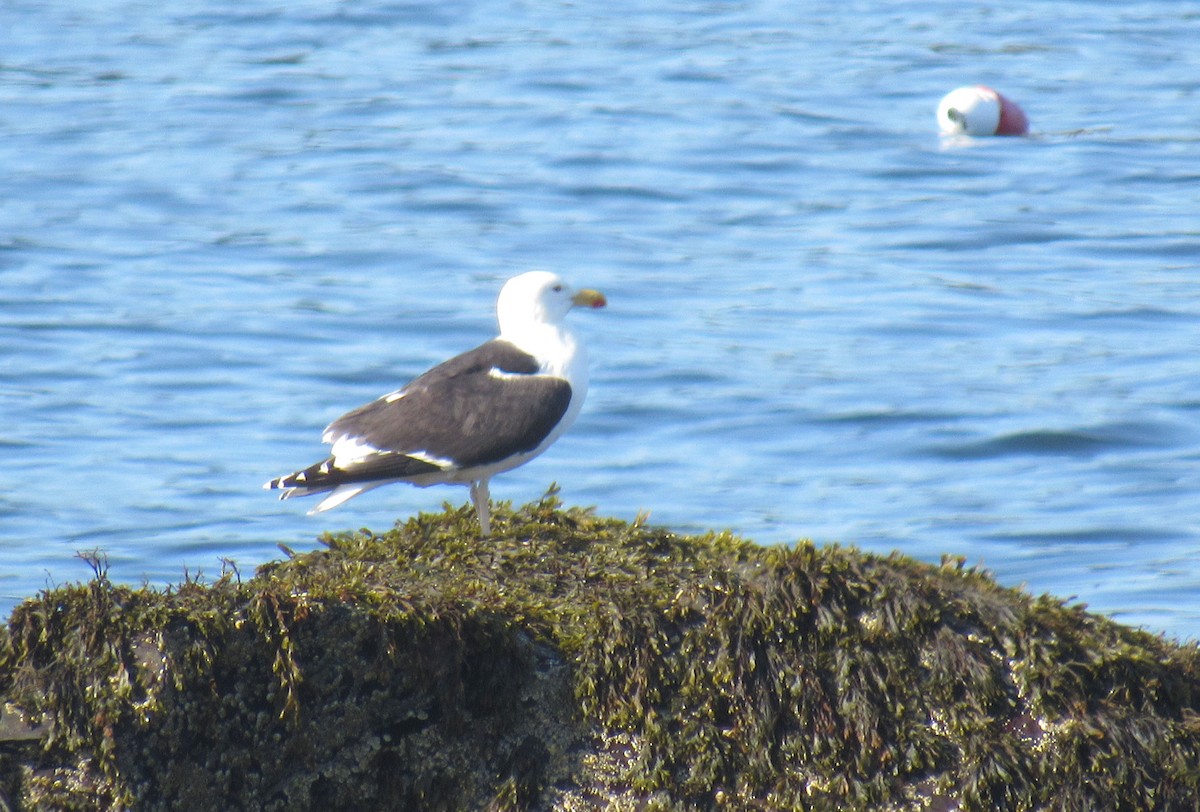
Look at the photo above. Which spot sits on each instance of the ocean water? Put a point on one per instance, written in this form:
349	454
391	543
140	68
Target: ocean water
226	223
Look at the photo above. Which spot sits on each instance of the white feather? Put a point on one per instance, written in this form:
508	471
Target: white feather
342	493
349	449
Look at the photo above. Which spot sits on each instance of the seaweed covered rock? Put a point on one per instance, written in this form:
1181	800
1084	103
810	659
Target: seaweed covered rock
572	662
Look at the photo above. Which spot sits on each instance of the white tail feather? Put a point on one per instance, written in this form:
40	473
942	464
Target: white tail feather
343	493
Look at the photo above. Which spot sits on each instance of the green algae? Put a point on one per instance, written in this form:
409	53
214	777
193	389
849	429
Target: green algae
575	662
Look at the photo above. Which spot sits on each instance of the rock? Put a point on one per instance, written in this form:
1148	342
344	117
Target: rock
574	663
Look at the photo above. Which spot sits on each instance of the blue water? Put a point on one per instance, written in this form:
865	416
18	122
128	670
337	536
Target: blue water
225	223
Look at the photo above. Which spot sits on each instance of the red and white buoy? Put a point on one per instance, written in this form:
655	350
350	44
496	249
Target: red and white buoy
979	110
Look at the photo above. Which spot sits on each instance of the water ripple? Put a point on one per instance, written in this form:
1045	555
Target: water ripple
1079	442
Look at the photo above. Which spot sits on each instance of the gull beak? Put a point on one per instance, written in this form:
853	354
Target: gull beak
589	298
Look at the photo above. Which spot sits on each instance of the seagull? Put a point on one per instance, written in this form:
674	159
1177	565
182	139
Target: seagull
476	415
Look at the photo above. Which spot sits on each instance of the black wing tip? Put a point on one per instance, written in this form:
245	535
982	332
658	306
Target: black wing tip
326	475
310	477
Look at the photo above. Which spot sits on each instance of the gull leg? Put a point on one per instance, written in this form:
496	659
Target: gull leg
481	497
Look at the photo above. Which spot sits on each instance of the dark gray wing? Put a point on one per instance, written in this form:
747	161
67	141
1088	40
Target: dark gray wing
477	408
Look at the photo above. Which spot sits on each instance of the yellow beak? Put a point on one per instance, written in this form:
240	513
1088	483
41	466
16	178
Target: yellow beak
589	298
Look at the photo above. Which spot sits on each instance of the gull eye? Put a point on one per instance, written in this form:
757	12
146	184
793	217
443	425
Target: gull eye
557	288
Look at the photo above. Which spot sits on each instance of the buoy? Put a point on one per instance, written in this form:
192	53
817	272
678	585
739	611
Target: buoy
979	110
